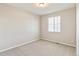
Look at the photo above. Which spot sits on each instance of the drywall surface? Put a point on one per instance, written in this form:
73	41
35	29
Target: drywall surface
17	26
77	29
67	35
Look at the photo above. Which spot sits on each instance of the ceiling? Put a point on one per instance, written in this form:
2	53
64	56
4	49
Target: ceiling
52	7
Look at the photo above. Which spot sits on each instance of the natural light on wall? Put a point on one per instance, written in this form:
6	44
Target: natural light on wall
54	24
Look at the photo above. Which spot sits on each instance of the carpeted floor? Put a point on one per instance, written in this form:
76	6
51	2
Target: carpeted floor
41	48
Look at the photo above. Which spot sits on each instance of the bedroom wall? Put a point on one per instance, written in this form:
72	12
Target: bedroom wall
68	24
17	26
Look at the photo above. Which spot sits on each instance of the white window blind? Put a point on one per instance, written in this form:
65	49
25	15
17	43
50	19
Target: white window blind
54	24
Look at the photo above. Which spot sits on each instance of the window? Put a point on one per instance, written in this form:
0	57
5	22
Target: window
54	24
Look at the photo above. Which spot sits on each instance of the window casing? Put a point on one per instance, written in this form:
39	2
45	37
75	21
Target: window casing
54	24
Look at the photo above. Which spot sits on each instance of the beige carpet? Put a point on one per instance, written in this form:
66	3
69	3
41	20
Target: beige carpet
41	48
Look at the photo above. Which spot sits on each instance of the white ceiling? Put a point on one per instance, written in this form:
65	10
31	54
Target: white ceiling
52	7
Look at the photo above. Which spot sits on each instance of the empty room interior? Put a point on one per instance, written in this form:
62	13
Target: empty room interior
37	29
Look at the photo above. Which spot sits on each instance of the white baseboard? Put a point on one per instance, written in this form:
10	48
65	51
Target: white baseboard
18	45
31	42
58	42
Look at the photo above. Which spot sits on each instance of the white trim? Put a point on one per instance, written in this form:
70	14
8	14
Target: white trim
33	41
59	42
18	45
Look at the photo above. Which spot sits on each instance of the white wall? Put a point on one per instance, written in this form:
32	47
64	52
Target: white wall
67	35
17	27
77	29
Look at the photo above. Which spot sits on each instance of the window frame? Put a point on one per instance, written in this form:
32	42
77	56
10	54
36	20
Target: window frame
53	24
